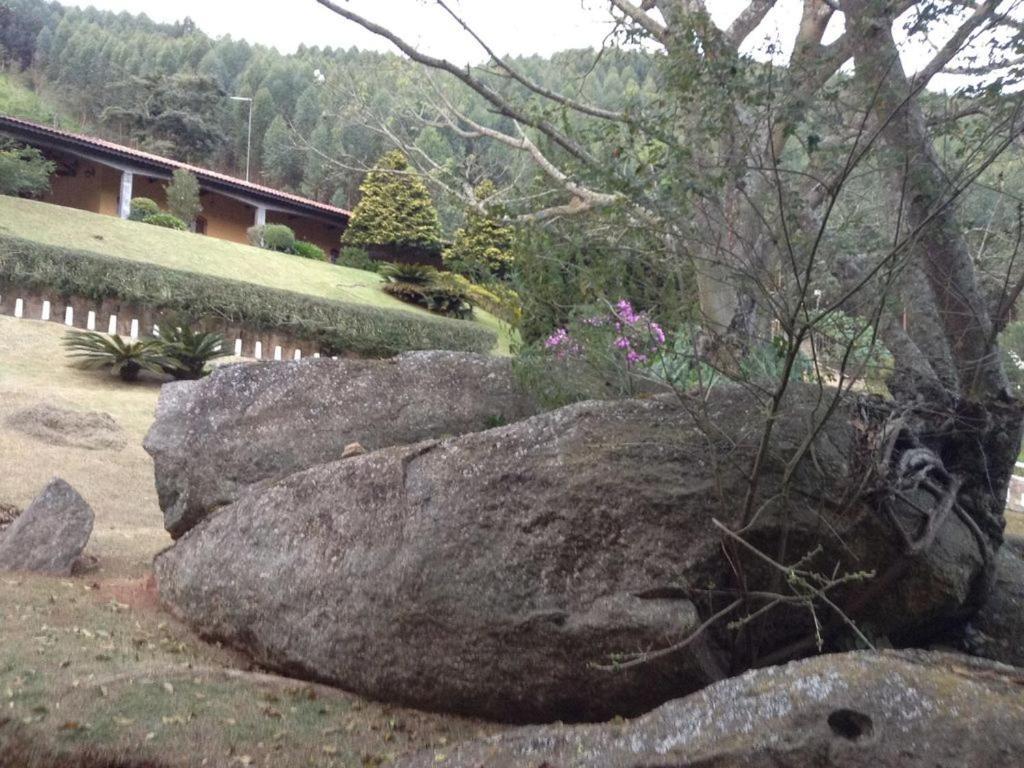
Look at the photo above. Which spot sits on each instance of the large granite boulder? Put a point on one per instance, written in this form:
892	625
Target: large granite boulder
496	573
247	424
997	631
856	710
50	535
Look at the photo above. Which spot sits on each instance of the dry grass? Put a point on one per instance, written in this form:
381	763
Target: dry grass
94	664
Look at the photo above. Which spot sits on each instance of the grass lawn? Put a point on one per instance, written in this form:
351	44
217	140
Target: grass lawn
93	661
72	228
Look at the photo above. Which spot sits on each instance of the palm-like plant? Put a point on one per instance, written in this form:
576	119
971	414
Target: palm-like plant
189	351
125	358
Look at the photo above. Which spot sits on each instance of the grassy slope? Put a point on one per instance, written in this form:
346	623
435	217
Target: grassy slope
73	228
94	661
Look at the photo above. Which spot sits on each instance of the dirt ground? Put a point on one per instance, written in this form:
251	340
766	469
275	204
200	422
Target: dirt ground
93	663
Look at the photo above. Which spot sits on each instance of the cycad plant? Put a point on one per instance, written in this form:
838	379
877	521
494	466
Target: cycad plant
189	351
124	358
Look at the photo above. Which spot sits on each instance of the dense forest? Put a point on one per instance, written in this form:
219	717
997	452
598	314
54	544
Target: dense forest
165	88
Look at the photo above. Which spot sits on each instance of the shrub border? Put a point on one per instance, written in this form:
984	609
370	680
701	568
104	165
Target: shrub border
337	327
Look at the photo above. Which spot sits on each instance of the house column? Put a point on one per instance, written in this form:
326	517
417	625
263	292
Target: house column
261	215
124	202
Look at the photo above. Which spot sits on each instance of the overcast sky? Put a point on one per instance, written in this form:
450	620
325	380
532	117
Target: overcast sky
516	27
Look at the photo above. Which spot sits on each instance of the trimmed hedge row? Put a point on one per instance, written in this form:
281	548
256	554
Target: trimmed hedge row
336	326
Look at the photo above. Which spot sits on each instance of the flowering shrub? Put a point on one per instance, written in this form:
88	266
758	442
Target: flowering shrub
632	335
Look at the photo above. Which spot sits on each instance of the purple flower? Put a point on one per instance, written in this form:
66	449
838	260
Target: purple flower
557	338
657	333
626	313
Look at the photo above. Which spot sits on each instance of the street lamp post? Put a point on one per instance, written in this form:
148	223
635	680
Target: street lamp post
248	144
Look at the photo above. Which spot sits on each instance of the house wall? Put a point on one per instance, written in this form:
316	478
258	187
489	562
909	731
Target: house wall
226	218
78	186
151	187
92	186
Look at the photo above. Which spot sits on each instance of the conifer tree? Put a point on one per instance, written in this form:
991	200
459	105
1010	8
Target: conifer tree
395	209
482	249
183	196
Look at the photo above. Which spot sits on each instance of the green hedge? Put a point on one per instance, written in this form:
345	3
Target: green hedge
336	326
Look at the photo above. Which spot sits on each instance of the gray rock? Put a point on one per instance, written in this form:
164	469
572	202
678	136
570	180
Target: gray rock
492	573
997	631
49	536
856	710
92	430
247	424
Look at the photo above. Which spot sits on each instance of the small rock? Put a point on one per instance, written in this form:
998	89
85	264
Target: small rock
50	535
92	430
352	449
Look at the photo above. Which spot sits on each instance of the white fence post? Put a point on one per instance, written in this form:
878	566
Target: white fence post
90	321
277	353
298	354
134	331
258	350
69	316
238	347
45	314
19	307
112	326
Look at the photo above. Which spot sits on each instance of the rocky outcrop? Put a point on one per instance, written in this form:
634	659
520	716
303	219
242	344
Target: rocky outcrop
49	536
496	573
997	632
92	430
248	424
856	710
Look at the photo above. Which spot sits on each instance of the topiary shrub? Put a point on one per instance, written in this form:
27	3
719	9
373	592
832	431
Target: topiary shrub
255	235
309	251
167	220
395	209
482	249
278	237
357	258
183	196
142	208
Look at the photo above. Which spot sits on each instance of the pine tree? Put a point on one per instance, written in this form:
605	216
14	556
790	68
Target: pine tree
482	249
395	209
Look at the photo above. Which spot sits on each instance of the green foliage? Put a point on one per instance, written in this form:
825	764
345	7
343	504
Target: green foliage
413	274
166	220
337	326
422	285
848	344
189	351
496	298
255	235
482	249
183	196
395	209
124	358
278	237
309	251
357	258
142	208
23	170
